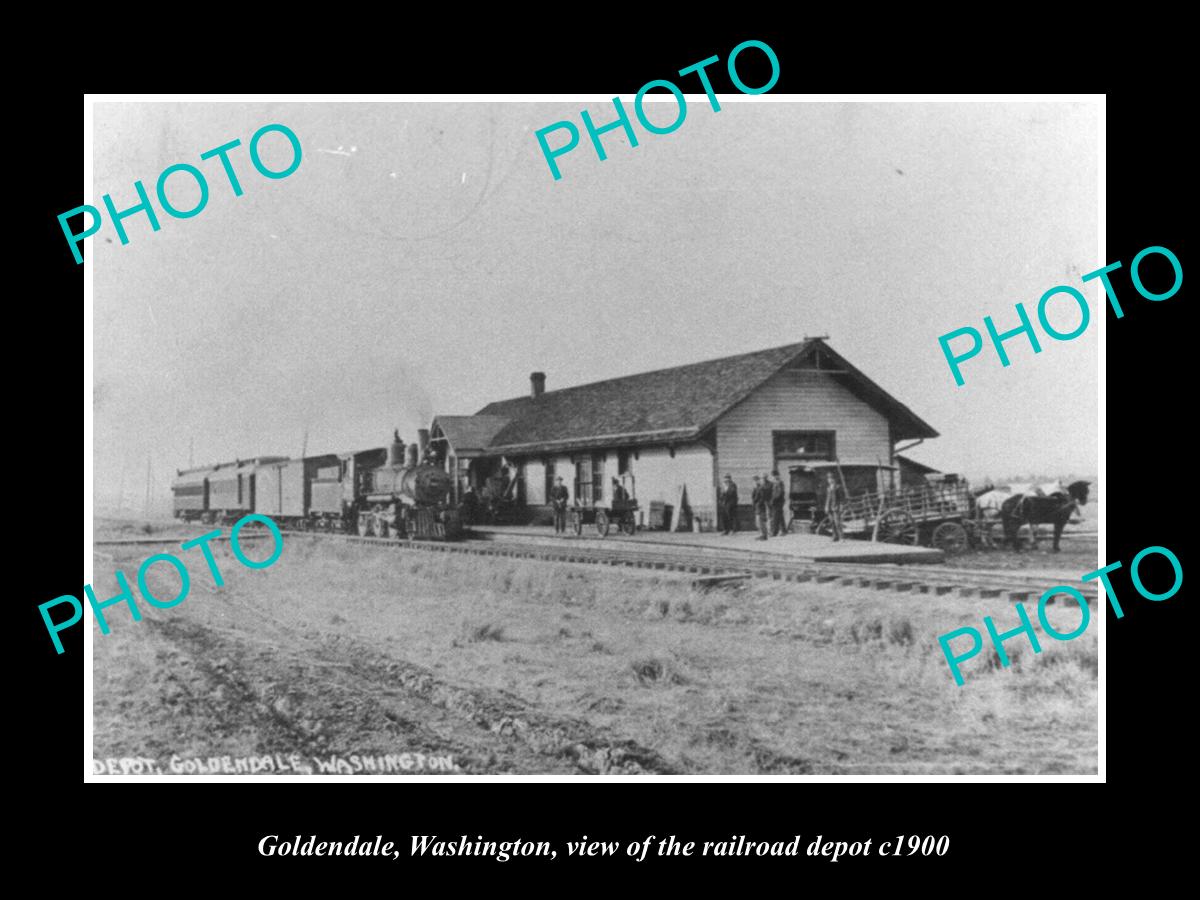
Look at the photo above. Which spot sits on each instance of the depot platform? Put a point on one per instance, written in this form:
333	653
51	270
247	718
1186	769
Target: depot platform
805	547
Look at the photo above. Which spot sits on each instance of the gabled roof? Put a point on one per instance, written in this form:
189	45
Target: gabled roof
665	405
466	433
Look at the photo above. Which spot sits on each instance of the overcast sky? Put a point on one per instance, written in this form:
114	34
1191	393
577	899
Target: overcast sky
422	260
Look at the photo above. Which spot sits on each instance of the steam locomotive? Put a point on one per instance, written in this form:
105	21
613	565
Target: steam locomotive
392	492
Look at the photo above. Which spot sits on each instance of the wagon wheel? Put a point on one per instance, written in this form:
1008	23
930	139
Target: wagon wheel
577	521
896	526
950	537
628	525
602	522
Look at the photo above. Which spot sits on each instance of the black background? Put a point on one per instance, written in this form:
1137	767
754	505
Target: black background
211	833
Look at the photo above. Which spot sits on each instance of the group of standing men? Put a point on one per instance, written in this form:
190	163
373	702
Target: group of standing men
768	499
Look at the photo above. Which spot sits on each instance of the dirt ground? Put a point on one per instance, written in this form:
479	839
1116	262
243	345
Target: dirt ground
515	666
1077	556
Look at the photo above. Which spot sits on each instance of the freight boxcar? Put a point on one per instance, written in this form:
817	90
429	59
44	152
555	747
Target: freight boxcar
231	490
283	489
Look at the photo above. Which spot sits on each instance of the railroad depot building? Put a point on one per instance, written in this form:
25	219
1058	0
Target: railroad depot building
671	435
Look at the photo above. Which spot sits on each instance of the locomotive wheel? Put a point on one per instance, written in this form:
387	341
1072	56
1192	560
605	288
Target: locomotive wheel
897	527
381	525
364	524
629	526
824	527
950	537
577	522
602	523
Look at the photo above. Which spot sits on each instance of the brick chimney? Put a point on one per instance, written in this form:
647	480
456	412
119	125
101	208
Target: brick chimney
537	384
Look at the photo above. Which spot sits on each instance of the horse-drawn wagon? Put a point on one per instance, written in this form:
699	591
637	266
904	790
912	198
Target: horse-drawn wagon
934	514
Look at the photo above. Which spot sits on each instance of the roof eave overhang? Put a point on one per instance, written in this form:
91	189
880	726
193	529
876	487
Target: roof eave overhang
627	439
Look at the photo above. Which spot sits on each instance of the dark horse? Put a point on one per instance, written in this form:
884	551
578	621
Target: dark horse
1027	509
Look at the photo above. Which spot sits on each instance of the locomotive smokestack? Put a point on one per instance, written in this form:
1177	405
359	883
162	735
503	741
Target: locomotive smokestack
395	454
537	384
414	455
423	440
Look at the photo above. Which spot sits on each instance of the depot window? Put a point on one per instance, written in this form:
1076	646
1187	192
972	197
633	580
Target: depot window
804	444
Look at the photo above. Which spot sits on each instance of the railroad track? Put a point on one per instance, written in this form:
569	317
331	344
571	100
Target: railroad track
714	566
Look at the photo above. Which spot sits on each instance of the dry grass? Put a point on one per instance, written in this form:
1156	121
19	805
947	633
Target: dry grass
765	677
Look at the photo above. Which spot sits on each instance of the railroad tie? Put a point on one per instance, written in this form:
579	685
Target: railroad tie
711	581
902	586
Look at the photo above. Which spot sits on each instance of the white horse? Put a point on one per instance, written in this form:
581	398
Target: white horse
987	505
987	512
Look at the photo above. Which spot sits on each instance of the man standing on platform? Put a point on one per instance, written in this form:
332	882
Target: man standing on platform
760	497
833	505
559	495
778	498
729	502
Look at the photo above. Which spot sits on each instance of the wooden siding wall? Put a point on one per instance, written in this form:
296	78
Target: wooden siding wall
658	477
535	482
796	401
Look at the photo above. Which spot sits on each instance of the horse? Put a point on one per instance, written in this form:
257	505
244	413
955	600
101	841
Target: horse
1033	510
985	509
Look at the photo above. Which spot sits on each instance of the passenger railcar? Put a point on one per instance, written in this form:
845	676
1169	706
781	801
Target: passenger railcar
221	493
189	494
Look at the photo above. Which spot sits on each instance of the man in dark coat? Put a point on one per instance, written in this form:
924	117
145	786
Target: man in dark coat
470	506
833	504
729	502
559	495
760	497
778	499
619	494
